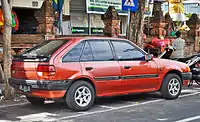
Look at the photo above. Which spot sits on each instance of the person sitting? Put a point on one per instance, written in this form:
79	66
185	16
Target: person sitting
178	45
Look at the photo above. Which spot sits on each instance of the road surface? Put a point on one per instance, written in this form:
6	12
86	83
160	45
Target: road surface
129	108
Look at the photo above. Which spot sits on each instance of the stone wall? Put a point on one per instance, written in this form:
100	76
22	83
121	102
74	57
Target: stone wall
24	40
20	42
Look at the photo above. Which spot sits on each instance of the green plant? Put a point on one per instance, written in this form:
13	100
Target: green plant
188	15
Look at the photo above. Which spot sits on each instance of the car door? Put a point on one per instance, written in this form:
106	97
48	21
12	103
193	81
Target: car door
97	61
137	74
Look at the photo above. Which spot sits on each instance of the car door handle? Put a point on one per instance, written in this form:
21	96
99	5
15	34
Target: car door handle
127	67
88	68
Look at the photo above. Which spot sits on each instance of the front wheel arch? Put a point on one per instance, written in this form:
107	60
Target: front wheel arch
175	72
175	81
170	72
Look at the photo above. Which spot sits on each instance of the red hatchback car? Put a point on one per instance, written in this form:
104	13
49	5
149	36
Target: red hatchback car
80	69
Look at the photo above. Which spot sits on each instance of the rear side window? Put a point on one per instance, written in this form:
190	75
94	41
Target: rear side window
101	50
46	48
74	54
87	53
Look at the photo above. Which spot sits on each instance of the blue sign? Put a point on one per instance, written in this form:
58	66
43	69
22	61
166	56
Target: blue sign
131	5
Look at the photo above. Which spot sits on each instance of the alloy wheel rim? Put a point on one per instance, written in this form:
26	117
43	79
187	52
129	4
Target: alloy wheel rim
83	96
174	86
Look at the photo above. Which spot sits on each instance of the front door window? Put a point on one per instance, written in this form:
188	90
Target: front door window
126	52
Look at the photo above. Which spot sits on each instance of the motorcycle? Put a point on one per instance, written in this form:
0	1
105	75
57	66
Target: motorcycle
193	62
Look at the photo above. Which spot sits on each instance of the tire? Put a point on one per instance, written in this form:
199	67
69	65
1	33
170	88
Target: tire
35	100
197	72
171	86
80	96
198	82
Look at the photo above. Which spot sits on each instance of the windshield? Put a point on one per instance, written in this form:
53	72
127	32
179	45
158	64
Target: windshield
44	49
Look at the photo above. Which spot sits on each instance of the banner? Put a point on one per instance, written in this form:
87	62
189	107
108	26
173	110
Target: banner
176	10
148	10
101	6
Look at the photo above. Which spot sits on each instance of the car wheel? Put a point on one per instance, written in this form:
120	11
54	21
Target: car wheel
171	87
80	96
35	100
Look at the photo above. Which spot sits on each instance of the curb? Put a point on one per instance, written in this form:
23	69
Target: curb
1	89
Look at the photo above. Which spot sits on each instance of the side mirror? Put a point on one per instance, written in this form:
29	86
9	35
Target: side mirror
149	57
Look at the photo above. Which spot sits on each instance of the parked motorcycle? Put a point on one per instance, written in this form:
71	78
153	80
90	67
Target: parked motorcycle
193	62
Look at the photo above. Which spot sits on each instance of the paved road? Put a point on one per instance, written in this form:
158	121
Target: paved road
130	108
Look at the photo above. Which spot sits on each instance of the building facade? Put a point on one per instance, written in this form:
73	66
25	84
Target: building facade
82	22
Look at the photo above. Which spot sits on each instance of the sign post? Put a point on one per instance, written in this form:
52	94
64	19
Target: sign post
128	22
130	6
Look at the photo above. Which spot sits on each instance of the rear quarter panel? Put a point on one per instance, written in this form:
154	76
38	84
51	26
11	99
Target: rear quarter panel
68	70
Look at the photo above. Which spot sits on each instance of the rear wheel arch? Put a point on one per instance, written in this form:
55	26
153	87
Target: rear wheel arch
80	95
83	79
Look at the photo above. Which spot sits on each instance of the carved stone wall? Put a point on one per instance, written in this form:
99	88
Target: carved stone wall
46	18
111	22
194	24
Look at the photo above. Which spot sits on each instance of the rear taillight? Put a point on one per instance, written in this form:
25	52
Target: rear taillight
46	70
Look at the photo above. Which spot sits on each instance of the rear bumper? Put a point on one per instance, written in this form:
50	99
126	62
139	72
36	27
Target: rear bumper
41	84
43	89
45	93
187	75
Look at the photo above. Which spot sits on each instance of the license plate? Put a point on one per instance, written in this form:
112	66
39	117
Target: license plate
25	88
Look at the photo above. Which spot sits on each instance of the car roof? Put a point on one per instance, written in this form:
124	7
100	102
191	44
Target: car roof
78	39
87	38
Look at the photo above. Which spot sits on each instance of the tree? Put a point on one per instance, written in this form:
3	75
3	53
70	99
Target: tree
135	32
6	8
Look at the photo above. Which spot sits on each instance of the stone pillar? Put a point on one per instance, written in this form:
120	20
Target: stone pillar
46	17
111	22
157	6
158	20
194	24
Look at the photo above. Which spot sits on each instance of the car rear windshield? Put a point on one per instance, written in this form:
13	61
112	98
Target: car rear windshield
43	50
